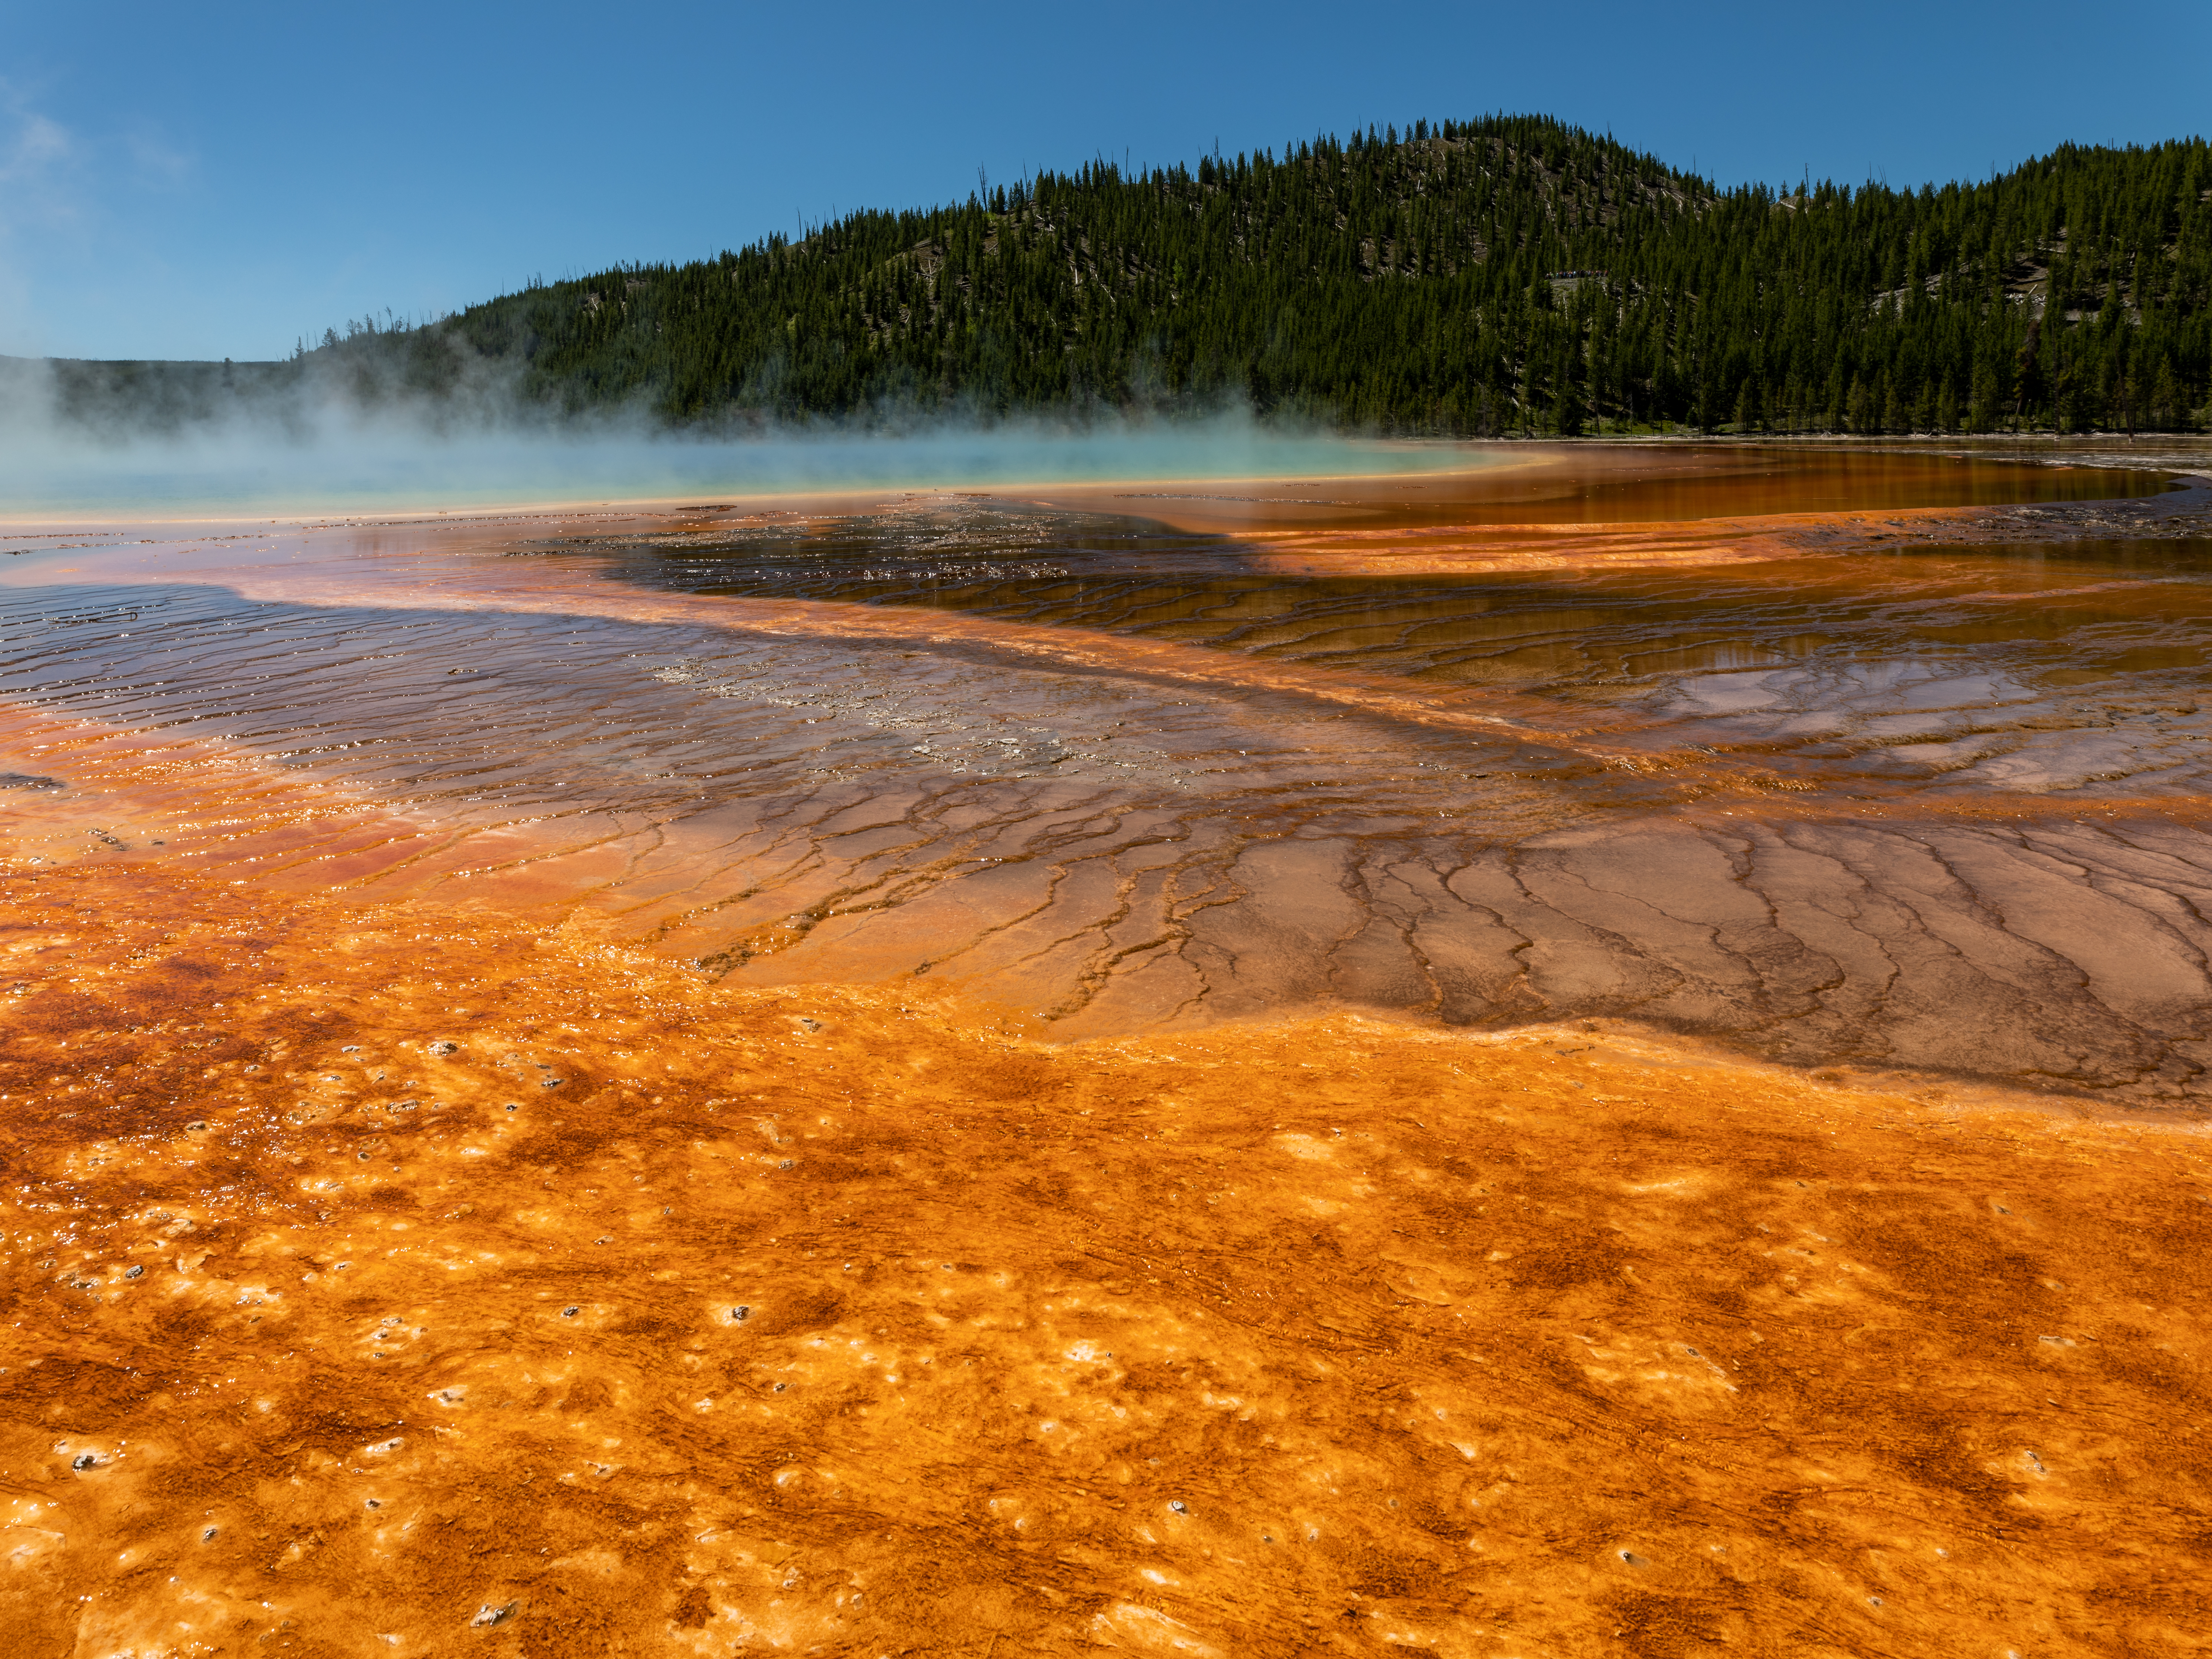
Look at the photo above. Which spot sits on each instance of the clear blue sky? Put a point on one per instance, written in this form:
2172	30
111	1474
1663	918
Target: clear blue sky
214	180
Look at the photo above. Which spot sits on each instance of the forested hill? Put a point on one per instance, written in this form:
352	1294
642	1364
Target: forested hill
1510	274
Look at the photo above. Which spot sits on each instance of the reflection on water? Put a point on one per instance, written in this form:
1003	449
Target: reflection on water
1627	485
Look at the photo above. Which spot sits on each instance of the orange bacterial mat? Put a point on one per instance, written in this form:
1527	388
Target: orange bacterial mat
535	1126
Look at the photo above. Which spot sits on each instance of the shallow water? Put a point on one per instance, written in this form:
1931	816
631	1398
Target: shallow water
987	1072
1913	804
341	461
1957	667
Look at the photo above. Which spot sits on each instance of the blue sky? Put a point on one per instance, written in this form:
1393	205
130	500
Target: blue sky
216	180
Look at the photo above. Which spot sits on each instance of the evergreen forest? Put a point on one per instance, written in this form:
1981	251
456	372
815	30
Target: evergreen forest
1501	276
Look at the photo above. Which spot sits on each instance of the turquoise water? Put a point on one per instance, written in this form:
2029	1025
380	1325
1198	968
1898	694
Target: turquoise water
371	469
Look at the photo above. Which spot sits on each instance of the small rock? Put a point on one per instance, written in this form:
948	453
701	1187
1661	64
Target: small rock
488	1615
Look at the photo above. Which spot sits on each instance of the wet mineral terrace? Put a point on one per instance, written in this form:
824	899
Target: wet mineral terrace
1602	1055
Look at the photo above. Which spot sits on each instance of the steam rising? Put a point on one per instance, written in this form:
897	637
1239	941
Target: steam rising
154	441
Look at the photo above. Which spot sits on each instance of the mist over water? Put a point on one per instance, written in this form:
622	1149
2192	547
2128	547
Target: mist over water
332	455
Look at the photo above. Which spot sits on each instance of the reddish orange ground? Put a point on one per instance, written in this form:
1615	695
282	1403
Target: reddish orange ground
1332	1336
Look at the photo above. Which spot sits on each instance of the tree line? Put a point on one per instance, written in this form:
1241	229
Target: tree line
1511	274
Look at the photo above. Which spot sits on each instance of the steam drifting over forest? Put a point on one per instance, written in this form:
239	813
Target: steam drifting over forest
1508	275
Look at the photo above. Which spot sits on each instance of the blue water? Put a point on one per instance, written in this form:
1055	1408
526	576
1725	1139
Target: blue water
345	470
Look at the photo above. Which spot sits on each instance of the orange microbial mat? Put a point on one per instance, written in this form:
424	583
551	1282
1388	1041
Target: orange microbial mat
1606	1055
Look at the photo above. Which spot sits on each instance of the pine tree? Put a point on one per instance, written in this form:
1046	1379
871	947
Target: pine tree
1415	283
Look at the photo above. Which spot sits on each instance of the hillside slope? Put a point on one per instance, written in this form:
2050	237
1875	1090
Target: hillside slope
1510	274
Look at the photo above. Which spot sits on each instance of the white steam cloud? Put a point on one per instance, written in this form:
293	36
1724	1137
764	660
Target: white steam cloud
312	445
